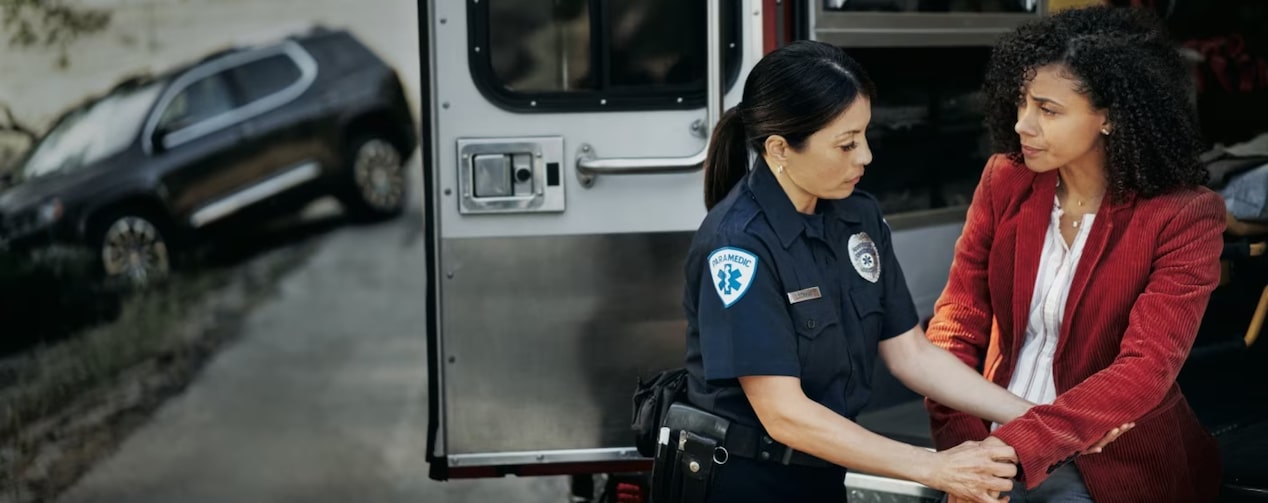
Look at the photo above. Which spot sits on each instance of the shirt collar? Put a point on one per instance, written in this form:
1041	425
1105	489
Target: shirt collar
783	217
779	210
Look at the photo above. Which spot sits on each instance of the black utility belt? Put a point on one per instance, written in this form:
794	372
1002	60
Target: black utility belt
692	443
732	438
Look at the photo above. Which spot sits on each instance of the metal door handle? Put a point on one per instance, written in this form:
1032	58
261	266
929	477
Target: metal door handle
589	167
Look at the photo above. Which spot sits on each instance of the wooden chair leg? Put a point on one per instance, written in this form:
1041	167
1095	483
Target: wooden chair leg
1257	322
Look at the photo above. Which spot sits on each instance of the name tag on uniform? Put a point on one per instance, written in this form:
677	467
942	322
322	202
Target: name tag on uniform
804	295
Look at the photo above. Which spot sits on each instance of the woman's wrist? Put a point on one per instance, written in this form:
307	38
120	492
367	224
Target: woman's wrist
924	468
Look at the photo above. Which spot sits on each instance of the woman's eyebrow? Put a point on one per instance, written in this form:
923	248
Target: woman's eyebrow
1043	100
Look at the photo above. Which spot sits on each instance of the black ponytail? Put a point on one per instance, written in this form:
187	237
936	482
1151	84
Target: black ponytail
727	161
792	92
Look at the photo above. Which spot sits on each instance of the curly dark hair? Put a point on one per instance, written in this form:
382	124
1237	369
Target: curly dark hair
1126	65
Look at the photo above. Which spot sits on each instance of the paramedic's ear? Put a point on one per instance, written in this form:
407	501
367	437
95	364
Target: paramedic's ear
777	148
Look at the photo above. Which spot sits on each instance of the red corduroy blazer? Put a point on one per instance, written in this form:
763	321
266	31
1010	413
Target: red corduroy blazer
1138	294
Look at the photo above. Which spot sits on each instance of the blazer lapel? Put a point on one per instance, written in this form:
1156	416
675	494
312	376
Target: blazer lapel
1110	217
1032	225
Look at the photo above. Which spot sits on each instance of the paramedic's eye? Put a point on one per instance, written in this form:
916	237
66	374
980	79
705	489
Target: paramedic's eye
850	147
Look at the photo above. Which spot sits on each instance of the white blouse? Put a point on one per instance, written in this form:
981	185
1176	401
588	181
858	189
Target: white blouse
1032	379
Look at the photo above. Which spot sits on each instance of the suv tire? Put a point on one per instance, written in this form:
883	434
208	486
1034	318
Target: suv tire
132	246
377	186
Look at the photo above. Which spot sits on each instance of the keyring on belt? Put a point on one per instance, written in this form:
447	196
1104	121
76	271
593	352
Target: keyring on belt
720	455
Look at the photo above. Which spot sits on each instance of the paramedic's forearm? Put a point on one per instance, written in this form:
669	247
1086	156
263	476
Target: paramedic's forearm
810	427
972	469
939	375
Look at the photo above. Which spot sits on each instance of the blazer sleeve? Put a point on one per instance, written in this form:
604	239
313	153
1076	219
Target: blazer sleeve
1162	326
962	316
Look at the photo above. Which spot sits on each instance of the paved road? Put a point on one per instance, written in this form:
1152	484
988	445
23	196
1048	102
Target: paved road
322	398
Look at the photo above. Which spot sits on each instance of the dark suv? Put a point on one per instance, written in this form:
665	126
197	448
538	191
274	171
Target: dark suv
247	133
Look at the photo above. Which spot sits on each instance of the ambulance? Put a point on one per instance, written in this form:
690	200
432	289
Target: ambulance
563	142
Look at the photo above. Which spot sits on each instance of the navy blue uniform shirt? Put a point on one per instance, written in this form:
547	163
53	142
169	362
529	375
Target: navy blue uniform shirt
771	291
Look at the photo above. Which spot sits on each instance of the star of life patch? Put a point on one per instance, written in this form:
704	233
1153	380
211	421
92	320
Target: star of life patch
864	257
733	271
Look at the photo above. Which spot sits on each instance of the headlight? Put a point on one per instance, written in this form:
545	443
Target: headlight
51	211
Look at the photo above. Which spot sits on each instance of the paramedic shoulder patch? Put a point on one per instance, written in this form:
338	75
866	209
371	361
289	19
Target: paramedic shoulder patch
733	271
863	254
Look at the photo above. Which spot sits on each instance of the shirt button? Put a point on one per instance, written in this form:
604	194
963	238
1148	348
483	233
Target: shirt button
811	324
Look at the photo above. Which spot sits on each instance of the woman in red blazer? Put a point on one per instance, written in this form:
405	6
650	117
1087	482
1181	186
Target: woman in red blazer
1088	256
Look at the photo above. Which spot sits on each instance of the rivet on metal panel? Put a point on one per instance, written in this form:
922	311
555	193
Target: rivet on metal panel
449	275
757	13
697	128
532	103
584	178
445	105
448	192
539	155
731	45
603	101
680	100
443	20
541	457
453	359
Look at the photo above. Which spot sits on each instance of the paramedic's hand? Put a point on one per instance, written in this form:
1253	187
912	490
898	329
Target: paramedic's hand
1109	438
976	472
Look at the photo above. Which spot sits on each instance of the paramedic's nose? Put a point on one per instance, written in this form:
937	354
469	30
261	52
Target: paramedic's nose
864	156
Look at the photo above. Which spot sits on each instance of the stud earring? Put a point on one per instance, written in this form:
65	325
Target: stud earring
781	169
1105	131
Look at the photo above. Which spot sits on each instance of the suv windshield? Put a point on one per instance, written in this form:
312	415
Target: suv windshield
91	133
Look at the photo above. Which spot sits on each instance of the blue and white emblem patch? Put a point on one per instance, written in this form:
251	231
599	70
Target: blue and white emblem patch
733	270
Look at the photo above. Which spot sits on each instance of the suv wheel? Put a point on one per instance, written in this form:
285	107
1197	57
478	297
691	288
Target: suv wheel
133	248
378	179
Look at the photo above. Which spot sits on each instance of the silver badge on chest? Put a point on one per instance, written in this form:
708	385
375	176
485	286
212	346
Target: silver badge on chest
863	254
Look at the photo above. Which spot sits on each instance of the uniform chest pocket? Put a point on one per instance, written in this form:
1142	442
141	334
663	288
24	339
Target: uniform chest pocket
813	317
866	300
822	348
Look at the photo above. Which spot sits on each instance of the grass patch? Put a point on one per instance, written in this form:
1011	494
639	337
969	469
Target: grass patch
47	295
148	326
67	404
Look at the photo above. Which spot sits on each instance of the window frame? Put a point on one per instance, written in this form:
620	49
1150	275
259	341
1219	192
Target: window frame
235	100
238	81
241	112
610	98
915	29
